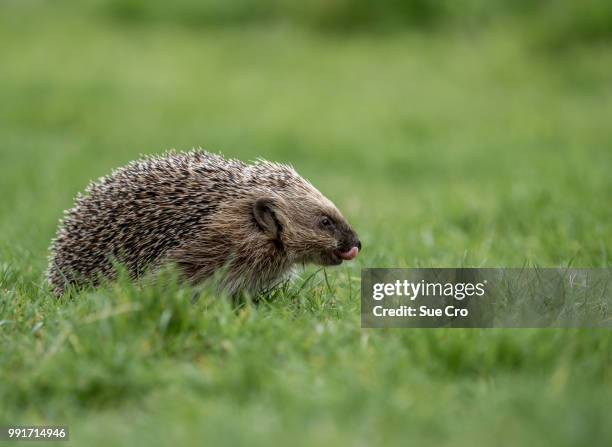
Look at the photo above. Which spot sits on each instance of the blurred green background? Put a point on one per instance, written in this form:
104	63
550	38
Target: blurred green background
473	133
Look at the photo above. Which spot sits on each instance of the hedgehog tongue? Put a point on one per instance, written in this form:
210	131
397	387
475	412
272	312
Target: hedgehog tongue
348	255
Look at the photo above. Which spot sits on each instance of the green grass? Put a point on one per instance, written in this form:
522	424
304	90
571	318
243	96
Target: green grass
441	149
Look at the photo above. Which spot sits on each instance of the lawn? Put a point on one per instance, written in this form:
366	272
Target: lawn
443	149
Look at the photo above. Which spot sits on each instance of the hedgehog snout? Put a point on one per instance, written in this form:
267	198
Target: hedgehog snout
349	247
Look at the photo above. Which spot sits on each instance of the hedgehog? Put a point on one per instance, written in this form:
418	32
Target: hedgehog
247	224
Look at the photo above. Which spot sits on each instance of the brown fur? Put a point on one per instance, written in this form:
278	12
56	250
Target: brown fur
203	212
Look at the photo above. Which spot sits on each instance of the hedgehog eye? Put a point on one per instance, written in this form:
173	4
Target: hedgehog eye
326	222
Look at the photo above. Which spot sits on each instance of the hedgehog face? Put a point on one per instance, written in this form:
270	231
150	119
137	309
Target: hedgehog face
337	241
309	228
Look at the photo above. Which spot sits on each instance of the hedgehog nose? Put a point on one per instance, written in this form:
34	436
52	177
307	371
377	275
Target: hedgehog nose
358	245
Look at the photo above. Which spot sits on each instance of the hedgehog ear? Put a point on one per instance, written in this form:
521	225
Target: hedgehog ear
265	216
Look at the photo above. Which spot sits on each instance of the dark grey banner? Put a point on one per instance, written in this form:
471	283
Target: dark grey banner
486	298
